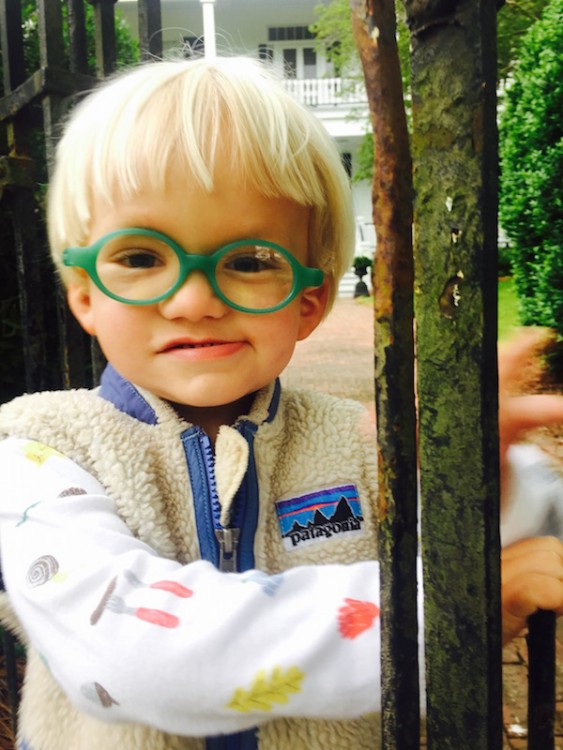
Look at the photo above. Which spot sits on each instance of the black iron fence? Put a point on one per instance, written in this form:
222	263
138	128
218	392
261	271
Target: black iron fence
53	351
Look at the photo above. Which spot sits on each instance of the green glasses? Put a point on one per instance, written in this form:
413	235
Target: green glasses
142	266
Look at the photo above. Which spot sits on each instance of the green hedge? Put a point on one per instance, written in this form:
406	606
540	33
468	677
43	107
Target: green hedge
531	150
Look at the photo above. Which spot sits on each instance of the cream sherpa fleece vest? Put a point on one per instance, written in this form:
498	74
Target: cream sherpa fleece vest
314	441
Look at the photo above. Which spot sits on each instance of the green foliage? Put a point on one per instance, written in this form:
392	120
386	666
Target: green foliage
513	21
334	31
504	264
531	137
360	264
333	28
364	159
362	261
127	46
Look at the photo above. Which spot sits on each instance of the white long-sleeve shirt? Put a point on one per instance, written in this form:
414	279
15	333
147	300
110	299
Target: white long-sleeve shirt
131	636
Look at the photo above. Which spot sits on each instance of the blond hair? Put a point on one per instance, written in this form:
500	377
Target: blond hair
126	135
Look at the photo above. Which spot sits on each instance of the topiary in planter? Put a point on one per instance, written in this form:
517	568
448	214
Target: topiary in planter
361	264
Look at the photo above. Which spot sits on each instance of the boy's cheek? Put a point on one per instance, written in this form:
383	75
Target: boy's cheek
312	307
80	302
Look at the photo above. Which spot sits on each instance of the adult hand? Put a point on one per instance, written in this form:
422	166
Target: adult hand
532	579
519	413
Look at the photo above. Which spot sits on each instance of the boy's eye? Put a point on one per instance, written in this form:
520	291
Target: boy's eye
254	260
139	259
134	258
246	264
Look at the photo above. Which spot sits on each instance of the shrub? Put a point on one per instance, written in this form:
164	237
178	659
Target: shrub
531	150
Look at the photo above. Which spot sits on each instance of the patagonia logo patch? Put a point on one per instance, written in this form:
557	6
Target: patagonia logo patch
319	515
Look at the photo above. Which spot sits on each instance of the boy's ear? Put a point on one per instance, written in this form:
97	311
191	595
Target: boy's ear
313	305
80	303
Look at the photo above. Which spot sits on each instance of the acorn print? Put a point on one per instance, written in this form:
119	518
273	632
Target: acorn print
98	694
72	491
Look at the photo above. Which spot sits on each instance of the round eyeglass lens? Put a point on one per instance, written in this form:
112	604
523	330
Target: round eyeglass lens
137	267
254	276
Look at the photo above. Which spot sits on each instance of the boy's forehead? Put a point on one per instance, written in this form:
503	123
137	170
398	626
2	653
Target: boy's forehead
180	206
128	182
226	183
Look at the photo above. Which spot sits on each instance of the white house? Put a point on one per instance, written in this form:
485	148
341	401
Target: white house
278	30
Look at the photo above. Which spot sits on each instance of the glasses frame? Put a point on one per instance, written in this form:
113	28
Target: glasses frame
86	257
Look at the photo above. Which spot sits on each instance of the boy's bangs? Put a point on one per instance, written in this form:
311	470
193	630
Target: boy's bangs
205	124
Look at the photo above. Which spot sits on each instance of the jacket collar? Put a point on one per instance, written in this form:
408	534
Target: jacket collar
140	405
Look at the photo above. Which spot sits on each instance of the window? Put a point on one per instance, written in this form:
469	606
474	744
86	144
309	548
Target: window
290	63
289	33
347	163
309	62
265	53
193	46
291	50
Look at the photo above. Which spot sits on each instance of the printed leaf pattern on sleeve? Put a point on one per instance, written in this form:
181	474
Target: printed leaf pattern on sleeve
266	691
39	452
355	617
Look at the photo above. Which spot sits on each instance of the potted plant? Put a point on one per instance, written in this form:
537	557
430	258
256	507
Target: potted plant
361	264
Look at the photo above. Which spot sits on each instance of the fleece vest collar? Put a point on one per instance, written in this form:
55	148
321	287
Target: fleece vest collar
131	400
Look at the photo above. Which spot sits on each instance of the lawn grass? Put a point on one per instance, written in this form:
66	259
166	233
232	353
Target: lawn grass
508	318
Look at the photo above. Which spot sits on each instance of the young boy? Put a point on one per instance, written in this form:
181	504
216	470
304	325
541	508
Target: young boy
158	534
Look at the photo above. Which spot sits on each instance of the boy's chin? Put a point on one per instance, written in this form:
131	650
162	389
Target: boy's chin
198	410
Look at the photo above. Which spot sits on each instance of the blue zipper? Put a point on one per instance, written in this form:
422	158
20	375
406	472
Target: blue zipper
199	456
228	549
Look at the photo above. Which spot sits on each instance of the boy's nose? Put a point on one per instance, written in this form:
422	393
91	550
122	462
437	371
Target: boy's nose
194	300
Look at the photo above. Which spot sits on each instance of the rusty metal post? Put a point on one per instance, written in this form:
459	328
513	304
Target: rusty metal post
541	681
375	35
17	181
12	44
8	650
453	65
52	57
150	29
78	53
74	356
104	20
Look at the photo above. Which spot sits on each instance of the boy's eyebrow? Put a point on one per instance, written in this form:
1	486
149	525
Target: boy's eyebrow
211	249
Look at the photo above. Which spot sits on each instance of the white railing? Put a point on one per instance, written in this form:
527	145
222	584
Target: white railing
318	92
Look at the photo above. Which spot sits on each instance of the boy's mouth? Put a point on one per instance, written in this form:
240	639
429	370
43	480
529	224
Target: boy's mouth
202	349
195	346
190	345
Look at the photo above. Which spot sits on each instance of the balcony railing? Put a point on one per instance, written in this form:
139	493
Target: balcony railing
322	92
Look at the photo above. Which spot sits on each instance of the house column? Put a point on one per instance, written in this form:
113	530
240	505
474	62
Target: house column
209	27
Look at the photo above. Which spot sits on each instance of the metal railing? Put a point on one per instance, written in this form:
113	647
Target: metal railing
326	92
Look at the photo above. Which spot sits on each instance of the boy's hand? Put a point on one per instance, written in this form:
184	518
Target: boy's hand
532	579
519	413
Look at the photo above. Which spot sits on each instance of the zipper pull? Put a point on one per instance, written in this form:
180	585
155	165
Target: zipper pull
228	542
